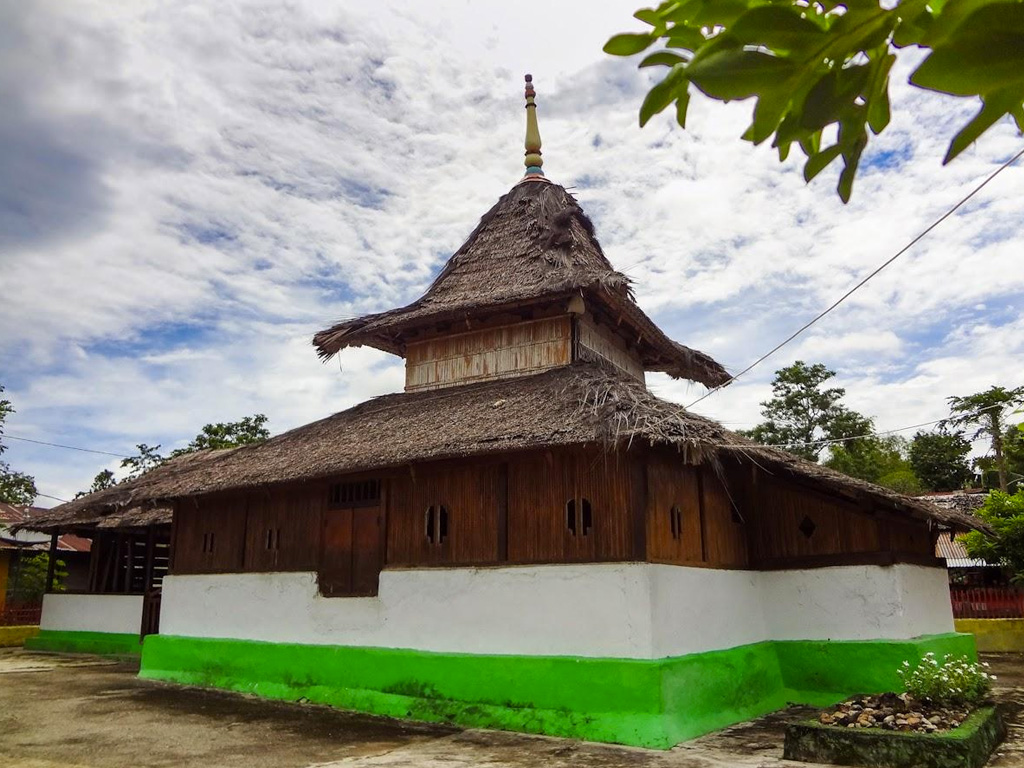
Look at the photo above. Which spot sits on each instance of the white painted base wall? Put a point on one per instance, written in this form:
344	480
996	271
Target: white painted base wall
623	610
92	613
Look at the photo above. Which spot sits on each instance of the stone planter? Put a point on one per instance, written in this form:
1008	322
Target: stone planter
968	746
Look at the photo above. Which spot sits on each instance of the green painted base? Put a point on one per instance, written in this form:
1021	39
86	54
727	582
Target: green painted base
627	701
101	643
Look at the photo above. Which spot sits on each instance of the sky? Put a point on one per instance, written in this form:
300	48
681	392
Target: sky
188	191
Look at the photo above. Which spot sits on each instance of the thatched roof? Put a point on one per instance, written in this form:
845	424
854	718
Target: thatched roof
535	244
573	405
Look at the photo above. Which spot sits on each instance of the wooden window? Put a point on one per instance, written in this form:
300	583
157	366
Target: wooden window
365	493
675	516
807	527
208	540
273	539
579	517
436	520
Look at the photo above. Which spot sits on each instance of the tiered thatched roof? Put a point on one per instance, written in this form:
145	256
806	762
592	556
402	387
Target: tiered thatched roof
574	405
536	244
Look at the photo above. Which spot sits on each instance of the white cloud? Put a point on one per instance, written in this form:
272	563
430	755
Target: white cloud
212	184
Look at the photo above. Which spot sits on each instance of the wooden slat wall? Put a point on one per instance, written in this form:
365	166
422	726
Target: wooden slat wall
709	533
291	517
601	341
539	485
781	508
521	348
473	497
224	518
725	534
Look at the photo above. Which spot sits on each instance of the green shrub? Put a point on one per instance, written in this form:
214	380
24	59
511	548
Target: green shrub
954	682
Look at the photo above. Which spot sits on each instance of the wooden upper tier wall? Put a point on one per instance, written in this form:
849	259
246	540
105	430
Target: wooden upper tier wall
583	505
514	349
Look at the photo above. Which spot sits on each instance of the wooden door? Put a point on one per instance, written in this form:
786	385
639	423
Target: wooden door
353	551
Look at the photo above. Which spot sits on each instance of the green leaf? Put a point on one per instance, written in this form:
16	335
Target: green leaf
665	58
771	106
878	93
994	107
719	13
683	13
648	16
833	95
682	102
684	37
851	158
734	73
968	67
628	44
777	27
661	95
817	162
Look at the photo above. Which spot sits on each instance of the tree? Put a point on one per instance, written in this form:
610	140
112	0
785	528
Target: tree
251	429
15	487
940	460
146	459
801	412
102	481
28	582
987	411
245	431
879	460
1005	514
1013	449
821	68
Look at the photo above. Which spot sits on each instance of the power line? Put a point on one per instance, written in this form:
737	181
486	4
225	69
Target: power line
59	445
833	440
48	496
878	269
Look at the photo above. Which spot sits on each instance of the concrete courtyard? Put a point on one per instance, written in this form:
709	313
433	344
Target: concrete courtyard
86	712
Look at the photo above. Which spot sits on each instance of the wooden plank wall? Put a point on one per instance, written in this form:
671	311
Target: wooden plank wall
793	524
706	529
517	508
516	349
540	485
603	342
263	531
471	495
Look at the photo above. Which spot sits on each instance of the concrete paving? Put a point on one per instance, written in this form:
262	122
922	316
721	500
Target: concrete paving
84	712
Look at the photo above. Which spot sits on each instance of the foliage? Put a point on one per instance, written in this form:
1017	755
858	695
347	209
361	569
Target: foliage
987	411
1005	515
245	431
251	429
102	481
801	411
820	69
15	487
939	459
28	583
956	681
146	459
1013	449
880	460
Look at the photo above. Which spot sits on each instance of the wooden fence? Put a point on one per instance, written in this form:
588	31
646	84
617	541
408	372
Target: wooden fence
987	602
20	614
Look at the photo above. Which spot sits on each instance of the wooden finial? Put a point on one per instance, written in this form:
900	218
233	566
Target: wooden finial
533	159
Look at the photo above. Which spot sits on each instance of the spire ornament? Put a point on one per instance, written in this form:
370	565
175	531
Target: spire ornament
533	159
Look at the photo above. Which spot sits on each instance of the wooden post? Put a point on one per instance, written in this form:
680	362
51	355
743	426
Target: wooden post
150	552
94	562
52	561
